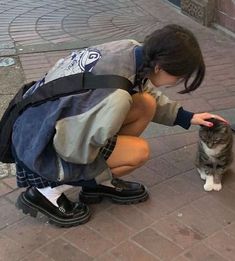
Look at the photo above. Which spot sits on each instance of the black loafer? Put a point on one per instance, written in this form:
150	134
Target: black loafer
66	215
122	192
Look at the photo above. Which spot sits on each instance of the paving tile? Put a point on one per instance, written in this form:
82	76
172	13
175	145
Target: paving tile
61	250
13	195
188	178
181	258
196	220
209	207
230	229
11	182
222	243
110	227
162	167
106	257
88	241
102	206
153	207
146	176
11	250
183	185
169	198
158	146
4	189
201	252
197	105
231	88
131	216
129	251
183	158
181	140
222	103
177	232
31	233
36	256
157	244
225	197
8	214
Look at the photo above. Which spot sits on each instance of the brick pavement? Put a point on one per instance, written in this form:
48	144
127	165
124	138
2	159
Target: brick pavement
180	221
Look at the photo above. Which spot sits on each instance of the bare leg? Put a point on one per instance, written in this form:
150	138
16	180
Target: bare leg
131	152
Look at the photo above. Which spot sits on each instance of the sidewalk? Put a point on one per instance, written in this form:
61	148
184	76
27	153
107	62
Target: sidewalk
180	221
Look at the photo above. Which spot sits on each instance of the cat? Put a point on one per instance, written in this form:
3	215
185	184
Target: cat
214	154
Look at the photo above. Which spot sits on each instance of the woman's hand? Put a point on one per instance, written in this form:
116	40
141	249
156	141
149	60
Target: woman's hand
201	119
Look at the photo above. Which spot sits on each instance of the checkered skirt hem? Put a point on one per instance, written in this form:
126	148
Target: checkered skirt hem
26	178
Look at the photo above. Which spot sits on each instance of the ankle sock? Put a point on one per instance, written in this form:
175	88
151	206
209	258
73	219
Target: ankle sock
52	194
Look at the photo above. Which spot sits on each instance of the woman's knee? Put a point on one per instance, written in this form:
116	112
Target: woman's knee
141	153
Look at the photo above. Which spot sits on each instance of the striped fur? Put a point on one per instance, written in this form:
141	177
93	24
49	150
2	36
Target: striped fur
214	154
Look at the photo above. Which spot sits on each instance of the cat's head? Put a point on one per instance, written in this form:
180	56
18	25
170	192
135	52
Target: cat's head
218	134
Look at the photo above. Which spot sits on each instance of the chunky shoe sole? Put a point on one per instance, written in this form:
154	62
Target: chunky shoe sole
94	198
29	208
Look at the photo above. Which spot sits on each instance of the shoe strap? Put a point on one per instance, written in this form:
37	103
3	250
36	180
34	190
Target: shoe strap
65	205
120	185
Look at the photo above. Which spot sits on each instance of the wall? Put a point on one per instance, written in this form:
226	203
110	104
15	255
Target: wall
225	14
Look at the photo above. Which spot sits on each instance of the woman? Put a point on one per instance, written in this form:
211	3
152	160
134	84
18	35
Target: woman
89	138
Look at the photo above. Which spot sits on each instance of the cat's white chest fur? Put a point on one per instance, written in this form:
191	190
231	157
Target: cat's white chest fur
212	152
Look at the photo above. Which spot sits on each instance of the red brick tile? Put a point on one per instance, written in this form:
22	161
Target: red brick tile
31	233
157	244
212	208
11	182
170	199
106	257
110	227
129	251
8	214
154	207
196	220
131	216
163	168
222	103
61	250
202	253
225	197
182	159
14	195
88	241
36	256
230	229
181	140
4	189
185	188
196	105
177	232
222	243
11	250
146	176
157	147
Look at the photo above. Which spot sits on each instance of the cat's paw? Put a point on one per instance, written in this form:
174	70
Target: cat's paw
202	174
217	187
208	187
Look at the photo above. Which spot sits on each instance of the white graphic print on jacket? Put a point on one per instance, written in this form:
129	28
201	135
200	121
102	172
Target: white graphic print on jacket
77	62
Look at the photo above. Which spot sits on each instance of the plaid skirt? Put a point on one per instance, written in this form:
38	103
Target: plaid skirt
27	178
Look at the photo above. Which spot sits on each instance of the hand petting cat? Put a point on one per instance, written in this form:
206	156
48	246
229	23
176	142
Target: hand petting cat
201	119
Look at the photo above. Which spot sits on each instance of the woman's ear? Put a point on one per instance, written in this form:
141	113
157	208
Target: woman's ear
156	69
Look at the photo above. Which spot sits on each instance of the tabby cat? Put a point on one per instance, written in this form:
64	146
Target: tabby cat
214	153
